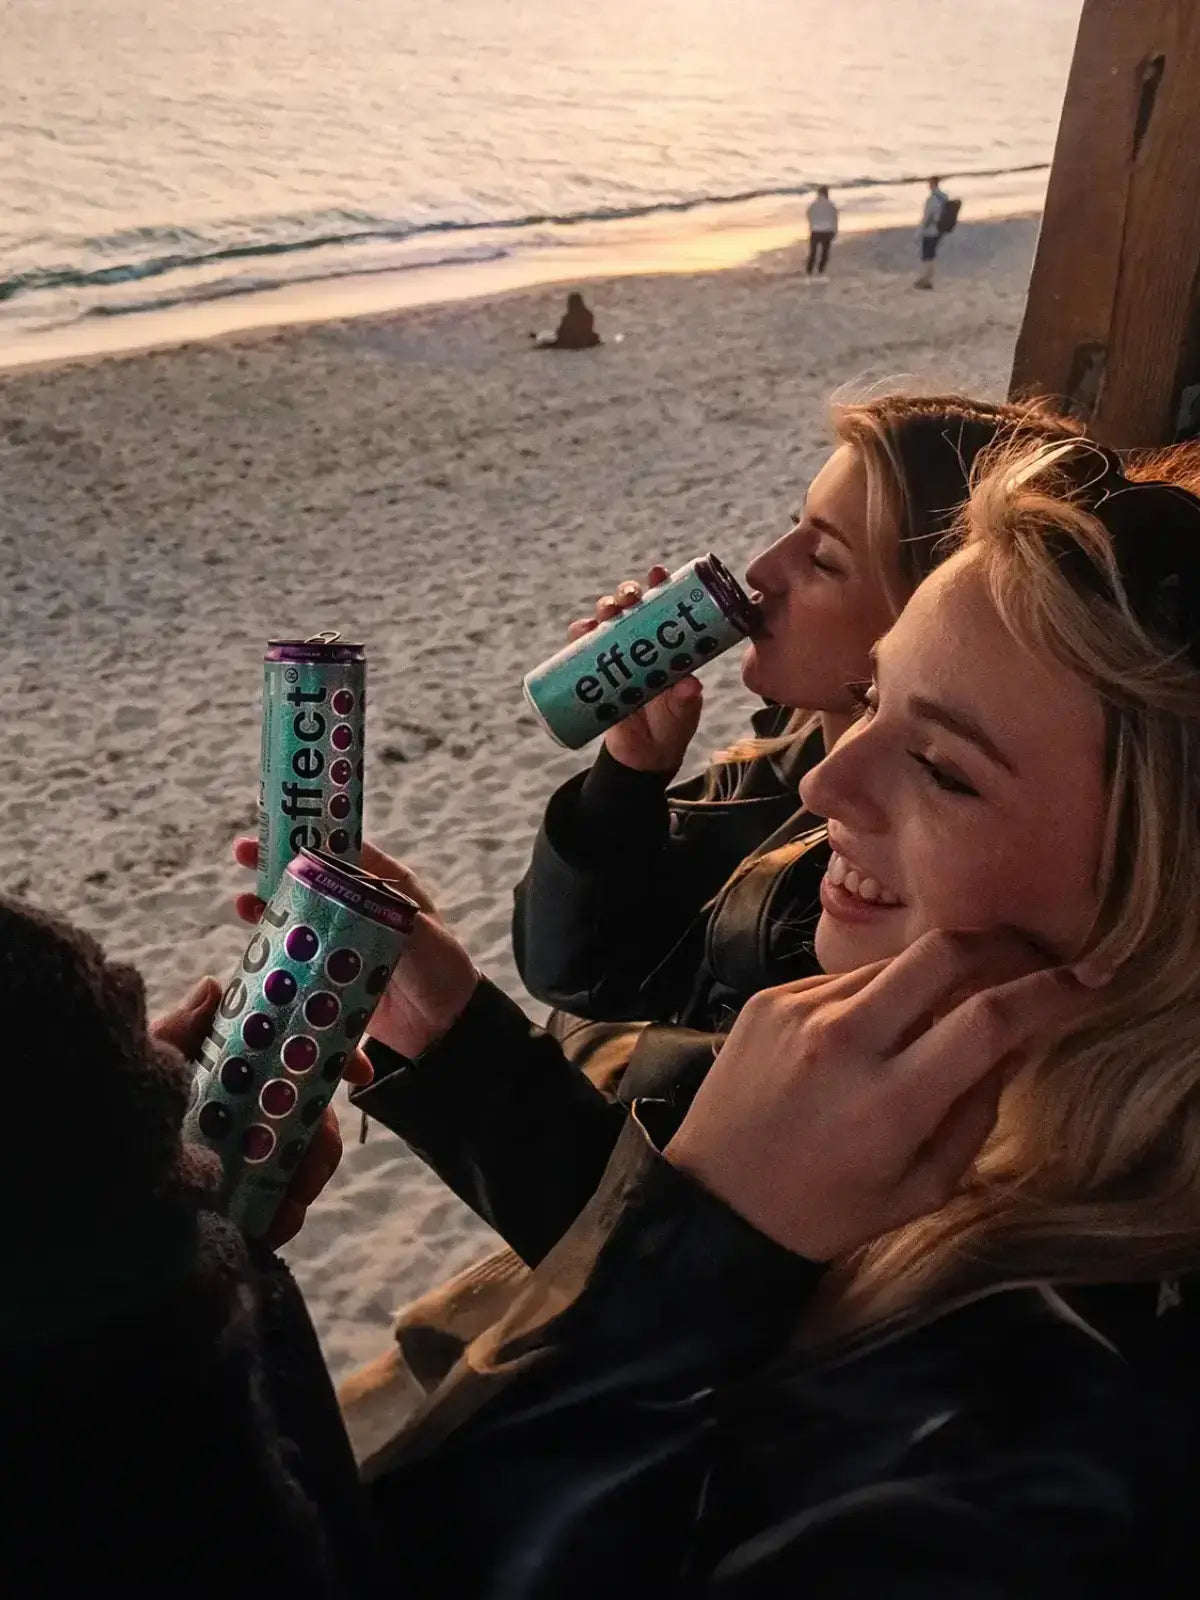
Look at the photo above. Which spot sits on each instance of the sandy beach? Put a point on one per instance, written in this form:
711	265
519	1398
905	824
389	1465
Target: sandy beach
431	485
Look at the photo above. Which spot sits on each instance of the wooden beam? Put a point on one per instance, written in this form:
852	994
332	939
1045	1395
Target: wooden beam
1112	324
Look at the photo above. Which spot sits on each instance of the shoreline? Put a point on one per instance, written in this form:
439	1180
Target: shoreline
716	239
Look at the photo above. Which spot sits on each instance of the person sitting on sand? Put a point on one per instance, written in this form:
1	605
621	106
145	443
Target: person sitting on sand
904	1301
576	330
165	1410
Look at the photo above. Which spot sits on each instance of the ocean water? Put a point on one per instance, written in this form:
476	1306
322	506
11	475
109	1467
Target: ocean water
158	154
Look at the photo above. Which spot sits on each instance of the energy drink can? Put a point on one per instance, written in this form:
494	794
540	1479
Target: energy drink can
310	794
692	617
308	982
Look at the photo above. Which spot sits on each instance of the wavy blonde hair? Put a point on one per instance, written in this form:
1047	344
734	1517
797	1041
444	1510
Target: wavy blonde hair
1092	1172
918	452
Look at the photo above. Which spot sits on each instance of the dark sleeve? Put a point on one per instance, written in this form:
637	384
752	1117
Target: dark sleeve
569	1432
502	1118
609	890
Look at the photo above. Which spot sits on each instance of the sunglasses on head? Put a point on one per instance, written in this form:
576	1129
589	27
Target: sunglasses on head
1155	532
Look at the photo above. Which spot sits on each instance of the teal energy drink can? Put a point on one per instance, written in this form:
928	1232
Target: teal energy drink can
310	794
298	1005
696	614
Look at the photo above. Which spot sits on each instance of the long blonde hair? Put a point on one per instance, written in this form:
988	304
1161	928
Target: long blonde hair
1092	1172
918	452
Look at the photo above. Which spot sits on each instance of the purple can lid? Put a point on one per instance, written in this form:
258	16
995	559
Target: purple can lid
321	647
371	897
729	594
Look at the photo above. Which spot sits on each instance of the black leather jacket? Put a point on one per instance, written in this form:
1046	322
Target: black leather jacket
626	912
641	1422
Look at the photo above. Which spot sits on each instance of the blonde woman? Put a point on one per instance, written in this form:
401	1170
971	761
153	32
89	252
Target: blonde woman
646	901
900	1305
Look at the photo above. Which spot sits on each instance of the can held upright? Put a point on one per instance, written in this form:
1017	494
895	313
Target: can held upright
298	1004
310	794
692	617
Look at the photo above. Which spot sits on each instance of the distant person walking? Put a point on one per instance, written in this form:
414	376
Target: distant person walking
822	230
930	232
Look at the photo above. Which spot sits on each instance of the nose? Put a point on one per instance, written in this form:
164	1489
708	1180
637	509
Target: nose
845	787
767	571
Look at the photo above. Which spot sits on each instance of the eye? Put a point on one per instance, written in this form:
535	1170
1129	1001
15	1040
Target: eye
824	566
865	697
943	779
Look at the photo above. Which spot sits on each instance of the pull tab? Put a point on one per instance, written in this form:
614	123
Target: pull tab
328	637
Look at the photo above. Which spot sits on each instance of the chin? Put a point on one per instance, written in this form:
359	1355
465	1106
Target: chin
841	947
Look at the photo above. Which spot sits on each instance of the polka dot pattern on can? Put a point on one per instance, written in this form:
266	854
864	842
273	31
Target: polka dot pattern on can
258	1031
321	1010
301	943
300	1054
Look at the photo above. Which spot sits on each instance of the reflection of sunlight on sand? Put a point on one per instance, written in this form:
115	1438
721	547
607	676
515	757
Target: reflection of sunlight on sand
709	239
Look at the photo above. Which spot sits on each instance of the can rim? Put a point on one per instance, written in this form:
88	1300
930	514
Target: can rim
365	892
316	648
729	594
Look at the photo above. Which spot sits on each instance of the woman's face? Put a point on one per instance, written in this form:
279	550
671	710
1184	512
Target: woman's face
823	601
970	796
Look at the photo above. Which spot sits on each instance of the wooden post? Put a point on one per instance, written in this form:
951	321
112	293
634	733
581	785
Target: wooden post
1112	325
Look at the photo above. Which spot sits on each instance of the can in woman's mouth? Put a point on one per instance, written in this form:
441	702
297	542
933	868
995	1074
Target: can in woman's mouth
310	794
690	618
296	1007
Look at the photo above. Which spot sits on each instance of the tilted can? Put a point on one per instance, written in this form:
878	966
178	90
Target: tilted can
691	617
310	794
299	1003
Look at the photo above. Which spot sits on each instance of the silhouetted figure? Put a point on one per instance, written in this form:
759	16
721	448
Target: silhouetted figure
576	331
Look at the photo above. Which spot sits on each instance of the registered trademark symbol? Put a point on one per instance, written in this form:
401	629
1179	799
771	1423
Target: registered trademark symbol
291	675
696	594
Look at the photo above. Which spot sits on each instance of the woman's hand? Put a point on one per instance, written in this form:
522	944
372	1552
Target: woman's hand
840	1108
186	1029
656	736
434	978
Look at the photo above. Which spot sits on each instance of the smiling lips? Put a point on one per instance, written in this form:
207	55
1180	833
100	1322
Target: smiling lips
853	882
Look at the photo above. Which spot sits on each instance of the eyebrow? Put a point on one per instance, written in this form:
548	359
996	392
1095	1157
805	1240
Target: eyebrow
958	723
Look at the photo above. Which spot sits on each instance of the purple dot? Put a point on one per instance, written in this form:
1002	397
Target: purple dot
339	841
360	771
278	1097
356	1022
377	980
342	736
302	943
290	1155
334	1067
258	1030
280	987
237	1075
343	702
215	1120
339	807
340	772
257	1142
344	966
300	1054
322	1009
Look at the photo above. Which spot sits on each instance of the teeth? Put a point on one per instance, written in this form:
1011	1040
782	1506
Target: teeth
853	881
